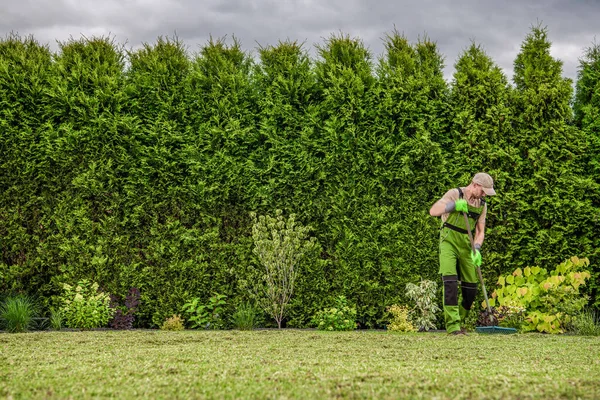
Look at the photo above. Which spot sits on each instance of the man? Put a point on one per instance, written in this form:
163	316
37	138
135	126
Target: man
457	260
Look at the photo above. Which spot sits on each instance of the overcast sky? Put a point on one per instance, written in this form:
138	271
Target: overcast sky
499	26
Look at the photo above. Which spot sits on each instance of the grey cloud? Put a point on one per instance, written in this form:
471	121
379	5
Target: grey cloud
499	26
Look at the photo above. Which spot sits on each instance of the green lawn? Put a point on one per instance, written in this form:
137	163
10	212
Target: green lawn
297	364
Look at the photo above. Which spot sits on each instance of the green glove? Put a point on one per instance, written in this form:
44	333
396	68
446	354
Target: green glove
460	205
476	258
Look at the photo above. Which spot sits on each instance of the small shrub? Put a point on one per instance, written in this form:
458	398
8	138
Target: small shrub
587	323
245	317
341	317
174	323
400	321
424	296
56	319
280	244
84	307
18	314
124	314
206	316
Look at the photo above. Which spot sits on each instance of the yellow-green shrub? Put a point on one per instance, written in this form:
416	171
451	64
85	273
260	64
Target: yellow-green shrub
174	323
550	300
400	320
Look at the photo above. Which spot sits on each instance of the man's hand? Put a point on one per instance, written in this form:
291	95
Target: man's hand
476	258
460	205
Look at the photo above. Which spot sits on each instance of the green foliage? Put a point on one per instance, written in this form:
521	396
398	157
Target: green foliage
587	96
140	167
174	323
340	317
424	296
206	316
549	171
550	300
586	323
511	317
84	306
245	317
400	320
504	316
280	244
587	117
481	124
17	314
56	319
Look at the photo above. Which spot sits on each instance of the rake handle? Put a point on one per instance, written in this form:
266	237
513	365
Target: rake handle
487	303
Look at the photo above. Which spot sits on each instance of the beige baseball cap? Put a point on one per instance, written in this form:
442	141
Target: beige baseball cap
486	182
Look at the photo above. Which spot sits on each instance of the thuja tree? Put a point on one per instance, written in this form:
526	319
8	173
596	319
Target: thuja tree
223	137
344	175
587	95
483	140
287	101
223	126
88	157
547	212
481	116
25	73
78	164
413	96
408	164
166	231
285	162
587	107
587	118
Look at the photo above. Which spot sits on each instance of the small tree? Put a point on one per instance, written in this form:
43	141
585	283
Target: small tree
425	307
279	244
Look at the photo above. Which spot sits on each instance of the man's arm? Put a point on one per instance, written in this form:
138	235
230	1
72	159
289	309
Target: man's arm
438	208
480	229
445	204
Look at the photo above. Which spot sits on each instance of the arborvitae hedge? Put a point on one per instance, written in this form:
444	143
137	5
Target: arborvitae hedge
25	197
587	118
140	168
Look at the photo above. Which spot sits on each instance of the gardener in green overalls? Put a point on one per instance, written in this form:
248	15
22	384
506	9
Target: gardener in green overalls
457	260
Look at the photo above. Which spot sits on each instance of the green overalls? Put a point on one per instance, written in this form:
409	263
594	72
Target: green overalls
456	265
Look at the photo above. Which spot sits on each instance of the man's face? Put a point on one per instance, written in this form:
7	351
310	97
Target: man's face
480	193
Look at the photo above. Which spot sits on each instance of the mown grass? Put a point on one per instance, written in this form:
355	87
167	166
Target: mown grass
296	364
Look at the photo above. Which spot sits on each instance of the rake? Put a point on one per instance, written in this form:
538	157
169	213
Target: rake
485	329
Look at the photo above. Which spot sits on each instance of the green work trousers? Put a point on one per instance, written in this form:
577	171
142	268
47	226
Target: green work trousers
456	266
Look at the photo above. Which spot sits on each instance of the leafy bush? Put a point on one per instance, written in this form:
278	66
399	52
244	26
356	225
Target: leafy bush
400	321
124	315
550	300
279	244
17	314
245	317
174	323
84	306
206	316
340	317
424	296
